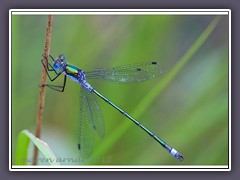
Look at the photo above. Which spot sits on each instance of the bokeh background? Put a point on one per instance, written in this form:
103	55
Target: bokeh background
190	112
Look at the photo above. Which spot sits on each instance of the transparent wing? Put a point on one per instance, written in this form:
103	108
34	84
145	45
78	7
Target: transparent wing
90	120
96	113
128	73
85	132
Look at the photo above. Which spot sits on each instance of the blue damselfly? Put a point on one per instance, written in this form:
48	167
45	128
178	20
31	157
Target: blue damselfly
90	114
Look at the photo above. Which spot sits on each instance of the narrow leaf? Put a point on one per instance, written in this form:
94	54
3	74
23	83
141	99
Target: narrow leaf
22	148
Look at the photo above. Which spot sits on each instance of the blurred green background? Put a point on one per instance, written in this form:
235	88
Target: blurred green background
190	113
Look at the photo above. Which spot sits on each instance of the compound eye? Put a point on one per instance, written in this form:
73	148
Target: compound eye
62	57
56	66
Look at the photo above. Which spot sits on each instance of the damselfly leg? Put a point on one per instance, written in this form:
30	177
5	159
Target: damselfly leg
49	68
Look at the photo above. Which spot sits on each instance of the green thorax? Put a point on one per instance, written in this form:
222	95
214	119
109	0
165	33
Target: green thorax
72	70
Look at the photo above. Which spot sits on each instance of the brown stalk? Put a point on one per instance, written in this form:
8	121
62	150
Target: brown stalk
41	98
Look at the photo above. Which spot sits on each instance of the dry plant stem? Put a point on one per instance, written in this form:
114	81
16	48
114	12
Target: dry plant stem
41	97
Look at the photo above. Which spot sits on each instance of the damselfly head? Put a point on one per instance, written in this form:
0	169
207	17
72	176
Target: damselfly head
59	62
62	57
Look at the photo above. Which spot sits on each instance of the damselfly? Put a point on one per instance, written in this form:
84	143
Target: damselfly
90	114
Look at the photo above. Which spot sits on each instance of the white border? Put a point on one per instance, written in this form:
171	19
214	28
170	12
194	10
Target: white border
229	91
119	12
118	168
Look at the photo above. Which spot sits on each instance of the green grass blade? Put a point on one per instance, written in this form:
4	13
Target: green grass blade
148	98
22	148
186	57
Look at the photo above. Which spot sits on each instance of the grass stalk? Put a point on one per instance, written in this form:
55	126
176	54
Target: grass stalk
41	98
